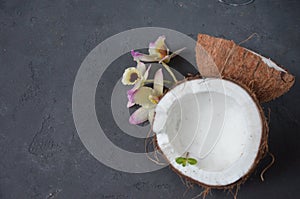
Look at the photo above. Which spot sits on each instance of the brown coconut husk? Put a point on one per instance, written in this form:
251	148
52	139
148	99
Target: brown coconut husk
262	151
218	57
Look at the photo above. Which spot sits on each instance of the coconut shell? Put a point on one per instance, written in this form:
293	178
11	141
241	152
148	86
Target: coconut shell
262	151
222	58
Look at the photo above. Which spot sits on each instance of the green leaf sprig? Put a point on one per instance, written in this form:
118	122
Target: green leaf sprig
186	160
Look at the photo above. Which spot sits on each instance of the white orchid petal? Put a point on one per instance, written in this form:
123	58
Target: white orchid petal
148	58
141	67
160	42
141	97
167	58
151	115
177	52
137	85
154	52
146	74
139	116
130	104
158	48
158	53
158	82
128	74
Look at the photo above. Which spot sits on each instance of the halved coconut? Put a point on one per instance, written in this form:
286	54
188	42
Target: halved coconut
216	122
218	57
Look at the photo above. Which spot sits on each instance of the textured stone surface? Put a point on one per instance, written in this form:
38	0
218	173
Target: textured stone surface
42	44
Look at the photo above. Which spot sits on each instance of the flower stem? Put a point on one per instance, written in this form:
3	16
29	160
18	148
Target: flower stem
152	81
169	71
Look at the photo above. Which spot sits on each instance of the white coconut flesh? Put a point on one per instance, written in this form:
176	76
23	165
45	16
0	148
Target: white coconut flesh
217	122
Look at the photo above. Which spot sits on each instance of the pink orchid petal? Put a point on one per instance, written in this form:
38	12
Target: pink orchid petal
130	95
139	116
135	53
159	82
137	56
152	45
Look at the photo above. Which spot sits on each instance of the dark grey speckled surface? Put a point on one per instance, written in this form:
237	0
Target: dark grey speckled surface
42	44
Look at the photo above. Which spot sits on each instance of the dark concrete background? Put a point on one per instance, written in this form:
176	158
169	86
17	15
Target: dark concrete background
42	44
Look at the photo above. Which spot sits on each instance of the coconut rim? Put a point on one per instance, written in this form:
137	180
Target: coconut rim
270	63
261	151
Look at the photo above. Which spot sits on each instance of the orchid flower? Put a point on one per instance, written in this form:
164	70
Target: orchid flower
147	98
158	52
135	76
